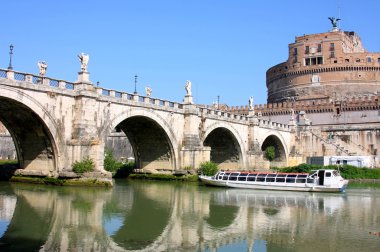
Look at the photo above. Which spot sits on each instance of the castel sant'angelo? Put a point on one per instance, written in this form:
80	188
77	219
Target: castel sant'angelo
329	88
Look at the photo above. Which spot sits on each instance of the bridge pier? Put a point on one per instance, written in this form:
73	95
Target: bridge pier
193	152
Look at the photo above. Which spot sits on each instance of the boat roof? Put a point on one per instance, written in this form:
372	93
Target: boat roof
263	172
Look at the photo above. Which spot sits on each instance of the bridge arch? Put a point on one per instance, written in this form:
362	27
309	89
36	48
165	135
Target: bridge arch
227	147
152	138
35	133
276	140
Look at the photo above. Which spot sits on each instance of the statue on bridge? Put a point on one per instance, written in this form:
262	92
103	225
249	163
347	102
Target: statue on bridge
148	91
84	61
250	103
188	88
42	65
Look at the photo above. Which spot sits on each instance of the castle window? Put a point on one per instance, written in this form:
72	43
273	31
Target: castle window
357	60
347	60
307	50
378	60
295	51
369	59
319	48
332	46
332	54
320	60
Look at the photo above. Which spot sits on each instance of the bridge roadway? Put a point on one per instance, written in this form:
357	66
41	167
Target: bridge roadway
54	123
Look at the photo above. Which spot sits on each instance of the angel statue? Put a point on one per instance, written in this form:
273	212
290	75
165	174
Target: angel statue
148	91
84	61
42	65
334	21
188	88
250	103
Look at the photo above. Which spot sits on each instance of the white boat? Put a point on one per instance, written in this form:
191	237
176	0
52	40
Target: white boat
316	181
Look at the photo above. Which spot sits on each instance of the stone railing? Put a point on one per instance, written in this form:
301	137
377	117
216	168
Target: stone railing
101	92
215	113
137	98
36	79
273	125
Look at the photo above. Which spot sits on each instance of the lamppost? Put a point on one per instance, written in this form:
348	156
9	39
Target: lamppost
10	57
135	84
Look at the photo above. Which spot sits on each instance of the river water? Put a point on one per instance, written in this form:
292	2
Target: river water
163	216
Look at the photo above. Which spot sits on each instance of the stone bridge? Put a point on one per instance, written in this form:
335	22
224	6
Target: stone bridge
54	123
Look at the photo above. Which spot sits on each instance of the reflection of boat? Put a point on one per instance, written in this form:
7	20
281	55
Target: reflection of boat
317	181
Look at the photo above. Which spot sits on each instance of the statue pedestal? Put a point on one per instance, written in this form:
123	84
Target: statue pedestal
84	77
188	99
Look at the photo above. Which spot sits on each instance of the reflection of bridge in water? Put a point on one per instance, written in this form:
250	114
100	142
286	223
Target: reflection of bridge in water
162	217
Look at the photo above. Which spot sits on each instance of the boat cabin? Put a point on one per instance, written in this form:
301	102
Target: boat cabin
321	177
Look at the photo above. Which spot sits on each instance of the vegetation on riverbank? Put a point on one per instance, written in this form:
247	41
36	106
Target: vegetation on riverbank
208	168
347	171
61	181
118	169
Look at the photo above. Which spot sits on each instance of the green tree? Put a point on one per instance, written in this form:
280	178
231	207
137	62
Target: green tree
270	153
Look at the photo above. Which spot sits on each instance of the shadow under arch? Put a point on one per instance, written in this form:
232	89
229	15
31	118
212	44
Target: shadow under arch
34	132
280	150
151	137
226	147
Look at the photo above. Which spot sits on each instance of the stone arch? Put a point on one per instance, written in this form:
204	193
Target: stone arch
154	122
40	145
236	141
275	139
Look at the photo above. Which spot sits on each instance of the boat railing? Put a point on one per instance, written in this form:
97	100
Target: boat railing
265	177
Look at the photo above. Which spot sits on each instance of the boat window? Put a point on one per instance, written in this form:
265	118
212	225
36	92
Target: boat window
328	174
233	176
271	175
281	175
302	176
251	177
261	177
270	179
243	177
336	173
310	180
225	177
291	178
279	179
301	180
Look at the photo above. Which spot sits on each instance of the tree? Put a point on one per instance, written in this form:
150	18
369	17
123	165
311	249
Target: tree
270	153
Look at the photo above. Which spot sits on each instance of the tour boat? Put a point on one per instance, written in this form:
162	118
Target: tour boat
316	181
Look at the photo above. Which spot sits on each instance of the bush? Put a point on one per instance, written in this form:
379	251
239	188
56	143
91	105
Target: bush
208	168
86	165
270	153
124	170
110	163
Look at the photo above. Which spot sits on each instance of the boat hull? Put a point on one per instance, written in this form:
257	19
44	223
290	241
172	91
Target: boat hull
273	186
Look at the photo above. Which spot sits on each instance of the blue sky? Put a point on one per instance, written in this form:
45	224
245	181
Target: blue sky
223	47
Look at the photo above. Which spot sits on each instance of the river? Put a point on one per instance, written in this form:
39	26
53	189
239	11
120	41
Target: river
170	216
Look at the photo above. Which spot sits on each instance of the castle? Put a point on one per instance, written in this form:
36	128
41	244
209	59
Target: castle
329	88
